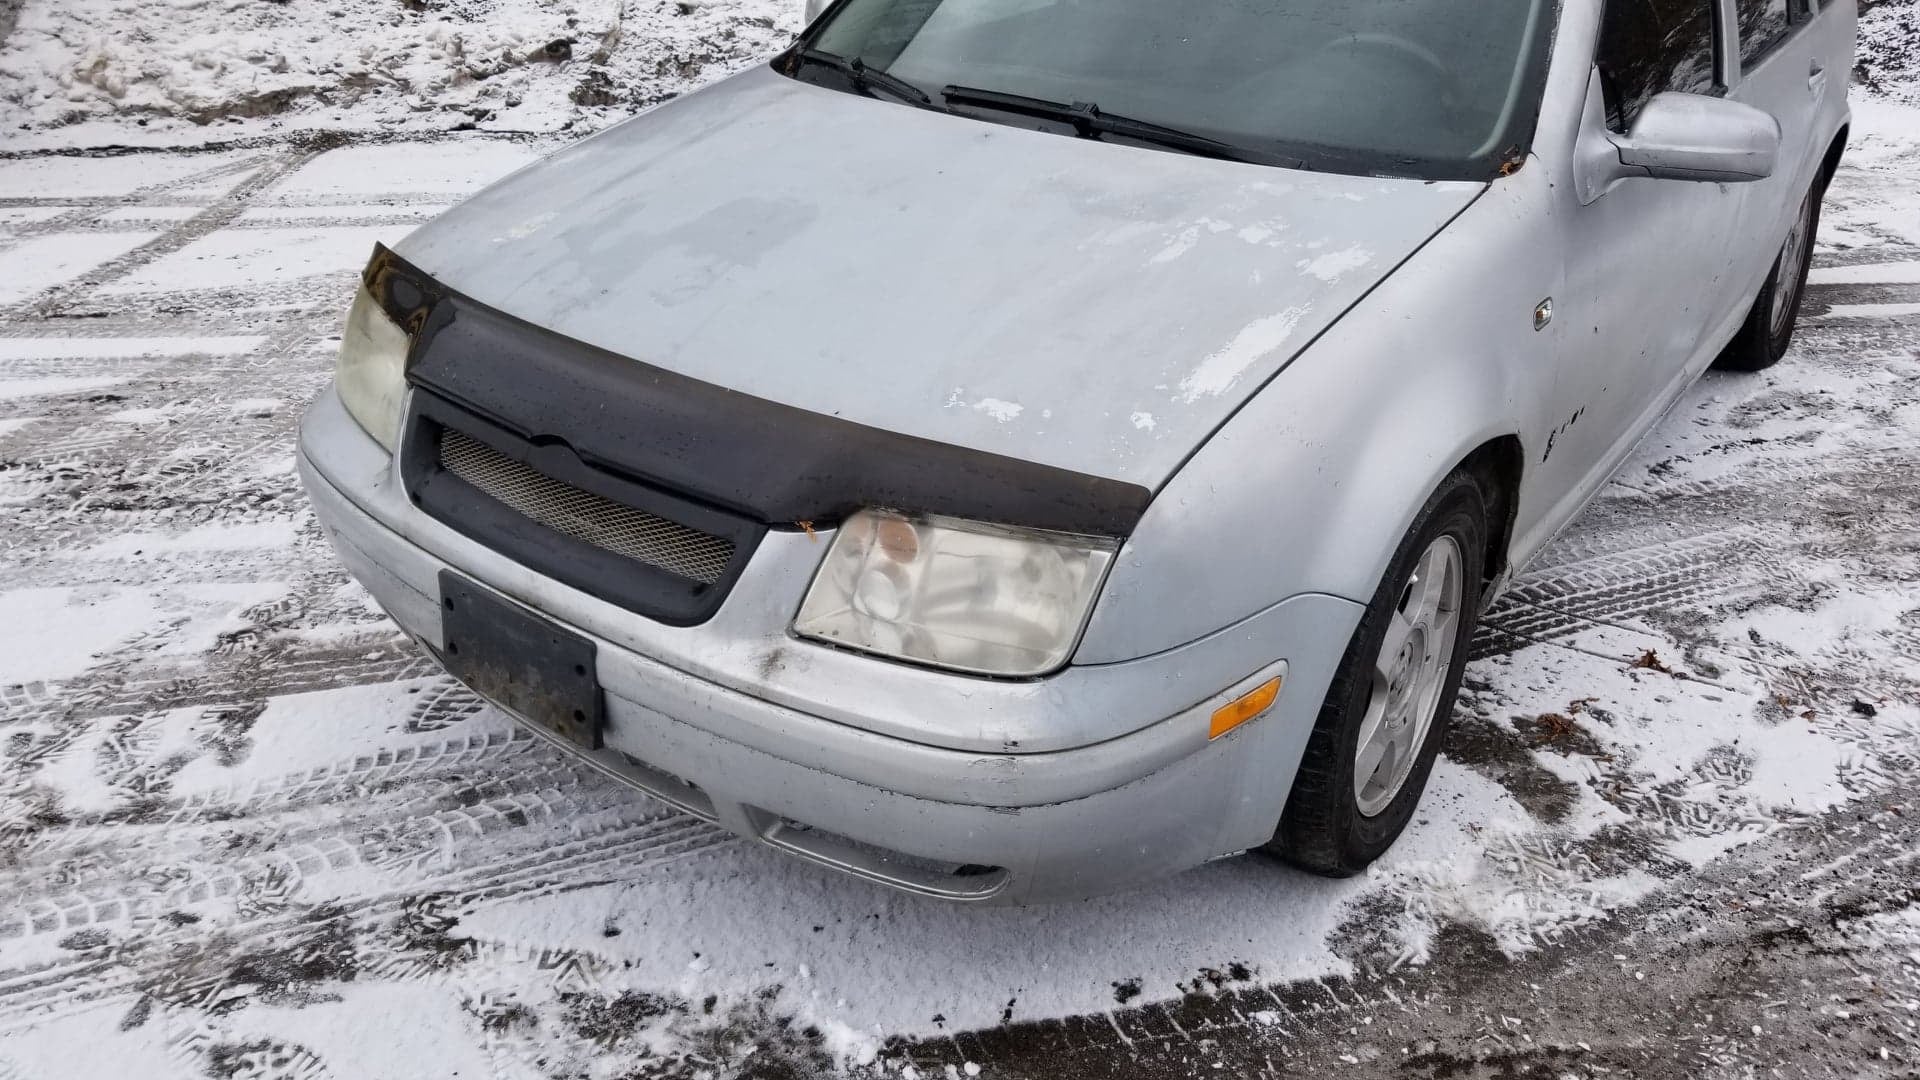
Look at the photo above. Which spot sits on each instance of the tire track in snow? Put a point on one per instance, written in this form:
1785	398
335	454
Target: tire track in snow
87	209
394	843
596	852
218	214
433	808
1571	596
1576	1010
124	684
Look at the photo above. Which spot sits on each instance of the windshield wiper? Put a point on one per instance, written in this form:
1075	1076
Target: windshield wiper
1089	120
863	78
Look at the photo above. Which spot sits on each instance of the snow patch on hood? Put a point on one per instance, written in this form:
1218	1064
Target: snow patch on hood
1337	264
1187	239
1003	411
1221	371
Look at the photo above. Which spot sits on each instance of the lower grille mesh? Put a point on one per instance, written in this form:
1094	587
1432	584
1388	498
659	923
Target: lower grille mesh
584	516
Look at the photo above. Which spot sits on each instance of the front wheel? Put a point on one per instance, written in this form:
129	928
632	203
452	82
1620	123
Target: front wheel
1367	761
1764	337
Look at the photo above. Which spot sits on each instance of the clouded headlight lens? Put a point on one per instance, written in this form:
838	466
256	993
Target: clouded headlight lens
962	595
372	373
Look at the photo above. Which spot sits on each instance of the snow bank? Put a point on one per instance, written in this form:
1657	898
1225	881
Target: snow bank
363	64
1889	57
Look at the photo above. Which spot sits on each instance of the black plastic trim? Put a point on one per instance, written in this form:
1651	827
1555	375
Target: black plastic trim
776	464
636	586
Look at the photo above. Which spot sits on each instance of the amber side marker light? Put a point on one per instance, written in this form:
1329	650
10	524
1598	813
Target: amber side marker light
1232	715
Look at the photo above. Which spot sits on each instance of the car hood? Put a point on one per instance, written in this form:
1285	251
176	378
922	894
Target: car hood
1080	304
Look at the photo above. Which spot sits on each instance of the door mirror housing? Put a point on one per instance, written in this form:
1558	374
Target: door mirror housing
1676	137
1697	137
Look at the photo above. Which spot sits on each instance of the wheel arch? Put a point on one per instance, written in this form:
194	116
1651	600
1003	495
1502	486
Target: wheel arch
1500	465
1830	164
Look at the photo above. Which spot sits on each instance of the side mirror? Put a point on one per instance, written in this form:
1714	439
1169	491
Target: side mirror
814	8
1696	137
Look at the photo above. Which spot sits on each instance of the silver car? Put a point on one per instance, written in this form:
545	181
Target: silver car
1013	449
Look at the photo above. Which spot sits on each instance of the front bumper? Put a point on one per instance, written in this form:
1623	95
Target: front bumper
1088	781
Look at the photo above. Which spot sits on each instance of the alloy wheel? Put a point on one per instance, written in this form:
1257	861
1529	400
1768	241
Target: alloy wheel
1409	676
1790	276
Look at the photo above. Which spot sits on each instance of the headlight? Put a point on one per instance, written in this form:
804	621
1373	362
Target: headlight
962	595
372	373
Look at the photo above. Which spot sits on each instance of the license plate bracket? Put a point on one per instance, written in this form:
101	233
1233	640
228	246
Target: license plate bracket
527	664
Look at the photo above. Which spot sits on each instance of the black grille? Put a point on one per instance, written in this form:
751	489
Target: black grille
530	497
582	515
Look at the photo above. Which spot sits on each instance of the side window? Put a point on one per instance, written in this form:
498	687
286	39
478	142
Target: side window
1763	24
1648	47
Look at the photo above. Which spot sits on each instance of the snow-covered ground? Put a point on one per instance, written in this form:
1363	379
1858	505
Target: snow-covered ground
247	830
172	71
1890	48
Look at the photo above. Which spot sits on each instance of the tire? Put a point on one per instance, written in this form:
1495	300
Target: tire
1331	825
1763	339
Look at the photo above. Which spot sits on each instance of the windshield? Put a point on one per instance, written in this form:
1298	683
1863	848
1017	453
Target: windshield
1430	88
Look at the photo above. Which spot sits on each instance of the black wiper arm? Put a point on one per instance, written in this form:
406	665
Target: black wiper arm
1080	114
864	79
1090	120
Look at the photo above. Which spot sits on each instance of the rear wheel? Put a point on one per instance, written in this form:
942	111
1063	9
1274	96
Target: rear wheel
1371	750
1764	337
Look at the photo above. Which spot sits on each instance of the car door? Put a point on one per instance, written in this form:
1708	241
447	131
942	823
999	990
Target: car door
1649	262
1783	72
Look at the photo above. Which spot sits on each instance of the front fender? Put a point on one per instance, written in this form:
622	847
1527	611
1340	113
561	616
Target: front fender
1311	486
